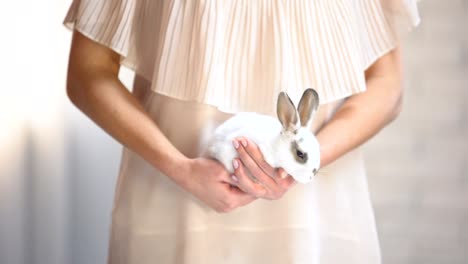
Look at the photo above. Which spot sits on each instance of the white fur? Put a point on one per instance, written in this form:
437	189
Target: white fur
273	141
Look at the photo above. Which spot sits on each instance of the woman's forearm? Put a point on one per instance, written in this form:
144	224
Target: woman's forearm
111	106
93	86
363	115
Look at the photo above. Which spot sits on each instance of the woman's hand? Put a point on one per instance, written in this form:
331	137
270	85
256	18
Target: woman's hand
255	176
211	183
94	87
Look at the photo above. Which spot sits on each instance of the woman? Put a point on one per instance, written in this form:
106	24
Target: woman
197	63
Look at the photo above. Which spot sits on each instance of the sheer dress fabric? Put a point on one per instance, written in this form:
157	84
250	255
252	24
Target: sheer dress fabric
199	62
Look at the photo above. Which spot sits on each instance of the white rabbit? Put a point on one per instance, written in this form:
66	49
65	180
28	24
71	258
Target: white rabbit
289	143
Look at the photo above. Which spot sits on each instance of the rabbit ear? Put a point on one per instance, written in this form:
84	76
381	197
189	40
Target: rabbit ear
286	112
308	106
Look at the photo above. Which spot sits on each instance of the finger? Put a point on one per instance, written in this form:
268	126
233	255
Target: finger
280	176
241	197
288	182
245	183
284	181
231	179
281	173
278	173
254	151
257	171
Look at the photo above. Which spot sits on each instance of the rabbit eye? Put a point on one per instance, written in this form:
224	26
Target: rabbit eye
300	154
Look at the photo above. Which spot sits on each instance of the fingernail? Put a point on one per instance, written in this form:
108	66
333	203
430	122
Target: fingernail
234	178
244	142
284	174
236	144
235	164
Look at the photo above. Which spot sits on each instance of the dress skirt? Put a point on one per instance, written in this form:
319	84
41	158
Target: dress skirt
154	220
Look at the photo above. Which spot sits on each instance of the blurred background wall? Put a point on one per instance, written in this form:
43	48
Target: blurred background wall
418	166
58	169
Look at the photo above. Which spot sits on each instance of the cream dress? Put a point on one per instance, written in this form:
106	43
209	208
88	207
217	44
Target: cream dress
199	61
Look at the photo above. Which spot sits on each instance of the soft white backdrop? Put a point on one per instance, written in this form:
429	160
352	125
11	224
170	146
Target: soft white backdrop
57	169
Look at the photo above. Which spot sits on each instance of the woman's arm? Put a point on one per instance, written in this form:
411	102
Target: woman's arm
93	86
363	115
359	118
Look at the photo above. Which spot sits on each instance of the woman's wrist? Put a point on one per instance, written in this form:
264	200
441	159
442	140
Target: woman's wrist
324	159
176	167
